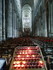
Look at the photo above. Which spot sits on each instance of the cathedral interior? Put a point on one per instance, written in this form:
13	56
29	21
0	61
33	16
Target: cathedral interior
26	34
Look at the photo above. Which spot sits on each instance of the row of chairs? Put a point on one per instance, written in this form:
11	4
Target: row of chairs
22	41
47	40
47	49
7	47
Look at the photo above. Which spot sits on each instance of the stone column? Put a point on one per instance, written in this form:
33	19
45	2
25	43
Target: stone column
9	25
3	20
0	20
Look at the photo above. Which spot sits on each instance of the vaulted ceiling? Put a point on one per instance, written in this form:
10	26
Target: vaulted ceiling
30	2
20	3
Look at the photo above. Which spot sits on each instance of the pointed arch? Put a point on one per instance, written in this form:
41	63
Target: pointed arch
27	16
